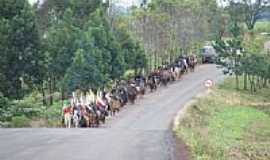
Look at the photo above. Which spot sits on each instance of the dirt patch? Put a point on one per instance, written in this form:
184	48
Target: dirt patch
181	151
38	123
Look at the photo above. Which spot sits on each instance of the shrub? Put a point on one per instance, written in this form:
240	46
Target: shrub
20	121
26	108
4	104
129	74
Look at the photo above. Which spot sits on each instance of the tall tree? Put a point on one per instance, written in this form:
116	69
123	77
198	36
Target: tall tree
84	73
19	47
250	11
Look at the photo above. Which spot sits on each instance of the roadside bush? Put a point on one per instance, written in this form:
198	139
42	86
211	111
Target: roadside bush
20	121
4	104
26	108
129	74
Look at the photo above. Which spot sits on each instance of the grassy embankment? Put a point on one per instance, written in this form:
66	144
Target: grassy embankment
228	125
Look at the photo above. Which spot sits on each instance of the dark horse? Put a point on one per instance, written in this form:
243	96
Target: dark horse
192	63
132	93
151	82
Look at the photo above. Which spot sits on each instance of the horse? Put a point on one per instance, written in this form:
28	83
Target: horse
89	117
132	93
140	85
151	82
76	118
184	66
192	63
165	77
177	72
101	116
122	96
115	105
102	109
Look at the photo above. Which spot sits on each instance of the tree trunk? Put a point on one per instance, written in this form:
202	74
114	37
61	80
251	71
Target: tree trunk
237	81
50	91
245	81
251	83
62	96
43	96
149	69
54	83
254	84
265	82
155	60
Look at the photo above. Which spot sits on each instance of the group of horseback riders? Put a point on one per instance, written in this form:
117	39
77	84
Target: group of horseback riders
90	109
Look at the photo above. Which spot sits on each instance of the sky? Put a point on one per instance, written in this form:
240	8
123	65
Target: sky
125	3
129	3
32	1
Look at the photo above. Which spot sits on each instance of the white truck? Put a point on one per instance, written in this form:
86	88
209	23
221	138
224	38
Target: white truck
208	54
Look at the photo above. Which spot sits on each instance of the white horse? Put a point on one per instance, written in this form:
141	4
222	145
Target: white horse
177	72
76	118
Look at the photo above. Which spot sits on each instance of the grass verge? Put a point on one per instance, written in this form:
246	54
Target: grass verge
228	125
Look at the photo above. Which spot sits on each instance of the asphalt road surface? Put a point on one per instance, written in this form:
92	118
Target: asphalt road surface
139	132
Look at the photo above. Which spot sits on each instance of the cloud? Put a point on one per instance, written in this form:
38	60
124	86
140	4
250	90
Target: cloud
32	1
127	3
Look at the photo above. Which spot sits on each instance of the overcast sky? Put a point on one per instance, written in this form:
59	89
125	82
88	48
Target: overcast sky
126	3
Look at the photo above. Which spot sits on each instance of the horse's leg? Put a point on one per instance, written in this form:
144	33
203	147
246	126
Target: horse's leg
69	121
65	121
77	122
87	121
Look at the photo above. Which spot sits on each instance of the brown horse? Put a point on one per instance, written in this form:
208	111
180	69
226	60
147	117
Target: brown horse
140	91
115	105
90	118
165	77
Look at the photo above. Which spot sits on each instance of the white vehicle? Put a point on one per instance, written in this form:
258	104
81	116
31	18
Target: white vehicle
209	54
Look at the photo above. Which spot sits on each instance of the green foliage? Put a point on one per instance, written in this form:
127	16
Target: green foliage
20	122
229	125
60	44
21	60
242	52
129	74
221	125
4	104
71	45
263	26
83	73
103	51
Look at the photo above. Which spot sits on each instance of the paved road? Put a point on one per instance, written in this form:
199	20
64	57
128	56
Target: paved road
139	132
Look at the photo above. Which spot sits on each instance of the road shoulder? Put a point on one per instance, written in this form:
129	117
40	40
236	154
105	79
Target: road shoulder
182	151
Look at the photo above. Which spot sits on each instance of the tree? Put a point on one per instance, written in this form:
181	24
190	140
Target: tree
250	10
169	28
84	73
112	55
19	47
243	55
230	49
